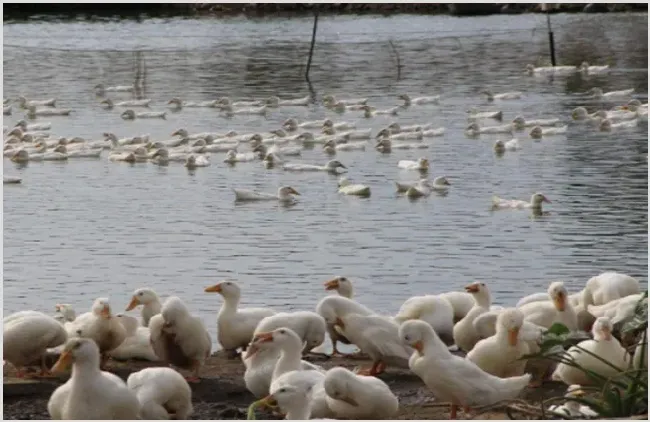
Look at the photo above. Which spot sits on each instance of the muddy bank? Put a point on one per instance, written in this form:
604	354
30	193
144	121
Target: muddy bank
221	394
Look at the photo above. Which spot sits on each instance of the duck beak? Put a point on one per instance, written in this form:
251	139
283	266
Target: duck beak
57	307
340	323
213	289
513	336
447	183
332	284
560	302
134	302
545	199
418	345
269	401
607	334
349	400
251	350
106	312
263	338
341	165
63	363
295	192
472	288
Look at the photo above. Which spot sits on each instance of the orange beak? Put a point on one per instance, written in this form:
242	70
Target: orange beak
251	350
64	362
513	336
106	312
419	346
269	401
263	338
213	289
340	323
607	334
560	302
58	307
472	288
332	284
134	302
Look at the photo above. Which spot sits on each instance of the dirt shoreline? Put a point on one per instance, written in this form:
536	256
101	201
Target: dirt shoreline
221	394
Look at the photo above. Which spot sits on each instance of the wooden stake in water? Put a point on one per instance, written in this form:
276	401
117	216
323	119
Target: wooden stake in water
313	41
550	32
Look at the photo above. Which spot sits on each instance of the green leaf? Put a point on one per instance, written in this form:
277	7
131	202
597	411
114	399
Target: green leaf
558	329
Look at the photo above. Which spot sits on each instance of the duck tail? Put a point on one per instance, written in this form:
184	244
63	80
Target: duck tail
513	386
499	116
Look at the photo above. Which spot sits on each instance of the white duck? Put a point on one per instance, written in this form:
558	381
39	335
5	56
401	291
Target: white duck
386	145
162	392
401	136
351	396
26	336
331	308
422	164
435	310
194	161
538	132
177	103
329	124
474	129
233	157
551	70
347	188
285	194
587	69
617	310
230	110
33	112
10	180
180	339
512	145
597	93
420	189
100	89
395	128
581	113
150	304
330	167
277	102
605	346
369	112
515	95
100	326
90	393
22	156
235	326
64	313
80	152
329	100
473	114
500	354
571	408
294	402
557	309
342	285
452	378
225	101
535	203
432	133
377	336
519	122
292	124
24	103
108	104
606	125
33	126
408	101
6	110
607	287
465	336
137	344
131	115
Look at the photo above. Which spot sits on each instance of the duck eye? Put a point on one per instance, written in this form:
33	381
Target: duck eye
140	294
282	332
77	345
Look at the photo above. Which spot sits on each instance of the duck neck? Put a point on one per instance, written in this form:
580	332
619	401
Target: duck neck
347	292
432	345
83	372
483	299
229	306
289	360
299	409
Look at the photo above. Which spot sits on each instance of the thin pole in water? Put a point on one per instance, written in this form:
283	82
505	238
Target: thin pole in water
550	36
313	41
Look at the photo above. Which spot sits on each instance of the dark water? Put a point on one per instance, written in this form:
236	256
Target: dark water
82	229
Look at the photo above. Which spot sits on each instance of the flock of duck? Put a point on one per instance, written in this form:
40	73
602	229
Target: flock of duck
420	337
32	141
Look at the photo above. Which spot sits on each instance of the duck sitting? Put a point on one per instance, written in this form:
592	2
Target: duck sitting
550	70
33	112
515	95
422	164
277	102
387	133
329	101
101	89
285	194
108	104
535	202
419	189
22	124
163	393
137	344
473	114
572	408
347	188
331	166
606	125
408	101
369	112
598	94
132	115
538	132
177	104
385	145
512	145
233	157
24	103
292	124
230	110
474	129
22	156
519	123
586	69
195	161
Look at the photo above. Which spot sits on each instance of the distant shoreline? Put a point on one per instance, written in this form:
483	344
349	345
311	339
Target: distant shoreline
22	11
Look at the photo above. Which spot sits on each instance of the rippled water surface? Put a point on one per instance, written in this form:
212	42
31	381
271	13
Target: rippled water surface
87	228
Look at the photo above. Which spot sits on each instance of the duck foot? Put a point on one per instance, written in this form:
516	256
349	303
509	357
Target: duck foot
535	383
193	379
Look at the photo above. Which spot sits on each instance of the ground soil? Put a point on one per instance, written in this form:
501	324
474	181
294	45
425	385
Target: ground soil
221	393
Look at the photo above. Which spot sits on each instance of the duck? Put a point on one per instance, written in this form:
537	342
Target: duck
99	325
535	203
617	310
402	187
329	124
262	150
127	157
422	164
342	285
550	70
411	135
233	157
465	336
500	355
260	363
11	180
435	310
519	122
603	345
348	188
235	325
288	368
277	102
474	129
330	167
292	124
606	125
80	152
194	161
131	140
330	100
538	132
572	408
557	309
351	396
177	104
285	194
64	313
474	114
6	110
452	378
150	302
376	336
136	345
408	101
619	114
512	145
90	393
385	145
294	402
225	101
351	134
395	128
581	113
331	147
33	112
432	133
609	286
587	69
515	95
22	156
333	307
230	110
100	89
22	124
24	103
369	112
26	336
180	339
640	358
420	189
163	393
108	104
131	115
597	93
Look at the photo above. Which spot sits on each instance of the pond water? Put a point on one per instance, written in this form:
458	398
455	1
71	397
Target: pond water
87	228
